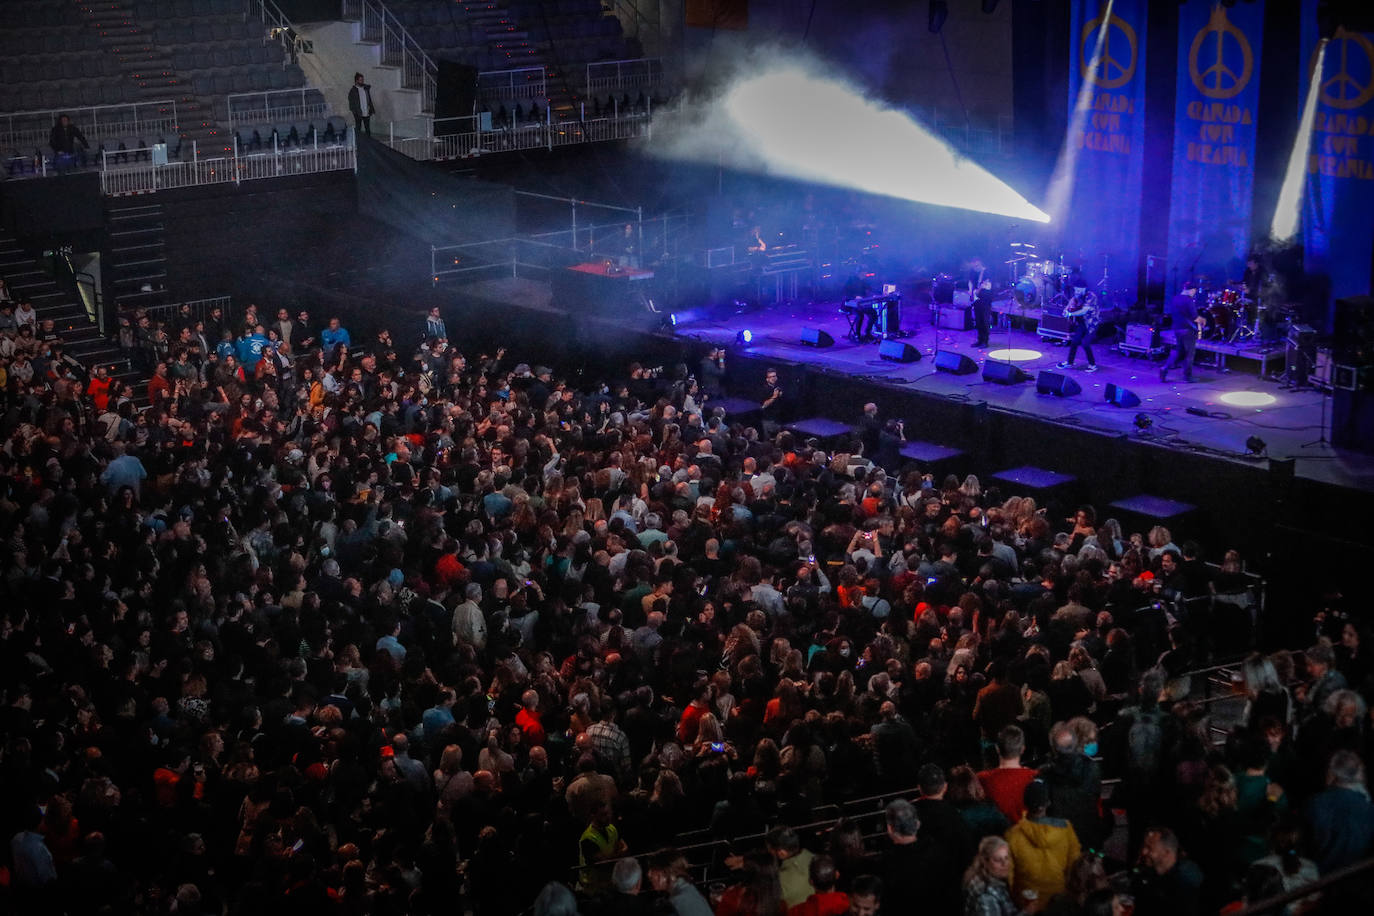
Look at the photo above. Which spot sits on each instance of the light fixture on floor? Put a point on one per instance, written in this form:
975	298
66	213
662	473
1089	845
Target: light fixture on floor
744	338
1255	446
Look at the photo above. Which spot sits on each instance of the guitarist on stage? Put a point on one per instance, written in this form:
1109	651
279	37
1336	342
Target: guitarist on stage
1082	311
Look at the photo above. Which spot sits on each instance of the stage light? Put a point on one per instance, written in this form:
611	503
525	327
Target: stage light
744	338
790	120
1286	212
672	319
1255	446
1247	399
1143	422
1014	355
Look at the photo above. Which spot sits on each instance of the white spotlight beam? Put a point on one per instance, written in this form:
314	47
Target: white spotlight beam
1286	212
816	129
1060	194
789	119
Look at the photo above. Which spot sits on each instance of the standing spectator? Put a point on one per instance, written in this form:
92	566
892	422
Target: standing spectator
360	105
826	900
1168	884
986	892
67	143
1074	781
1340	819
1006	784
1042	848
435	328
334	336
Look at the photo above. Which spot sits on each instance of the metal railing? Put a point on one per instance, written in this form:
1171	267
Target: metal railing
30	129
135	172
638	73
200	308
466	138
277	26
379	25
520	83
277	105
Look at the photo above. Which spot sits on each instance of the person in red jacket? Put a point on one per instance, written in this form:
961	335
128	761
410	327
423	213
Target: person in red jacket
826	901
530	720
99	388
1005	785
159	386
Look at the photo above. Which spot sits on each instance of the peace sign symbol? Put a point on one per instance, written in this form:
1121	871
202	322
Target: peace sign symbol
1110	72
1218	80
1344	89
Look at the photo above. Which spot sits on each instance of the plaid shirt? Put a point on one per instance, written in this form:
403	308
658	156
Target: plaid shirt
609	744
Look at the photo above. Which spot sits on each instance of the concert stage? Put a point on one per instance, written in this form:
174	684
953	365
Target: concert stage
1214	427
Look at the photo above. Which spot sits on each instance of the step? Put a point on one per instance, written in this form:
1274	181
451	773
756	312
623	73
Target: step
127	249
140	279
125	233
142	263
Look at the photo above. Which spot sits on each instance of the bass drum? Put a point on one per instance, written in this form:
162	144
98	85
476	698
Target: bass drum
1220	320
1028	291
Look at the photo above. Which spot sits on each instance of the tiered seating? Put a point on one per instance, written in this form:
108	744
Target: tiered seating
329	131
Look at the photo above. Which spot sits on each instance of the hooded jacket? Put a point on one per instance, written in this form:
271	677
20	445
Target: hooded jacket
1075	785
1042	849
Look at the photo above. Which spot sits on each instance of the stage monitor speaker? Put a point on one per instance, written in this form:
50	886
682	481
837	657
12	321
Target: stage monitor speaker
1004	373
455	90
1352	420
1121	397
815	337
898	351
957	363
954	318
1057	384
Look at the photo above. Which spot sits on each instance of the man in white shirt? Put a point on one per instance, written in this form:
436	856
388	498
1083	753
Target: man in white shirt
469	623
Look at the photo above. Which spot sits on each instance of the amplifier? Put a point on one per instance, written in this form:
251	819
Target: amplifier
1142	336
954	318
1054	327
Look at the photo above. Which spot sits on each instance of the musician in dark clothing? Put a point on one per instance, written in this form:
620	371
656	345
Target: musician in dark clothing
1082	312
865	317
982	313
1185	322
67	140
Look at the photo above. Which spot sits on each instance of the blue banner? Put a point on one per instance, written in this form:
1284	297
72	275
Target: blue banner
1101	231
1338	201
1215	105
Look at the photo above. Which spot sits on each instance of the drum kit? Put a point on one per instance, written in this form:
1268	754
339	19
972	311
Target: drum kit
1230	315
1043	285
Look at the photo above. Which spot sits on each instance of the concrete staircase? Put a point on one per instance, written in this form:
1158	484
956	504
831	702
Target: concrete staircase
138	252
338	51
30	280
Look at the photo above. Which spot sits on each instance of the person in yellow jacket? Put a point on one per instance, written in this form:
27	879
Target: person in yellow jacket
1042	849
599	843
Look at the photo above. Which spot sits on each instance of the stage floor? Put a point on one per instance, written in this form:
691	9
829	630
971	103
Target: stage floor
1293	419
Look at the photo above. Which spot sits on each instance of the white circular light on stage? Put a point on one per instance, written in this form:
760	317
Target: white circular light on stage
1247	399
1013	356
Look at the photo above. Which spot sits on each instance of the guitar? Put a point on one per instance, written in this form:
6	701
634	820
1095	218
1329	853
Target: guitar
1084	308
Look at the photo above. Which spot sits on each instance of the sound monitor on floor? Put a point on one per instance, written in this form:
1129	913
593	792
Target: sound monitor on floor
957	363
1004	373
1057	384
815	337
898	351
1121	397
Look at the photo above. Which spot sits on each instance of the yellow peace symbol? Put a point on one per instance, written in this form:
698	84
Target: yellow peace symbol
1110	73
1341	90
1217	80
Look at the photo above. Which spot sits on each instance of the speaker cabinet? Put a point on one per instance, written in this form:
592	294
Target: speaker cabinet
898	351
957	363
815	337
1121	397
1057	384
1004	373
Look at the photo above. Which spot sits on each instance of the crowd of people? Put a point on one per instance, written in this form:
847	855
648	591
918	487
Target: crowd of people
313	627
